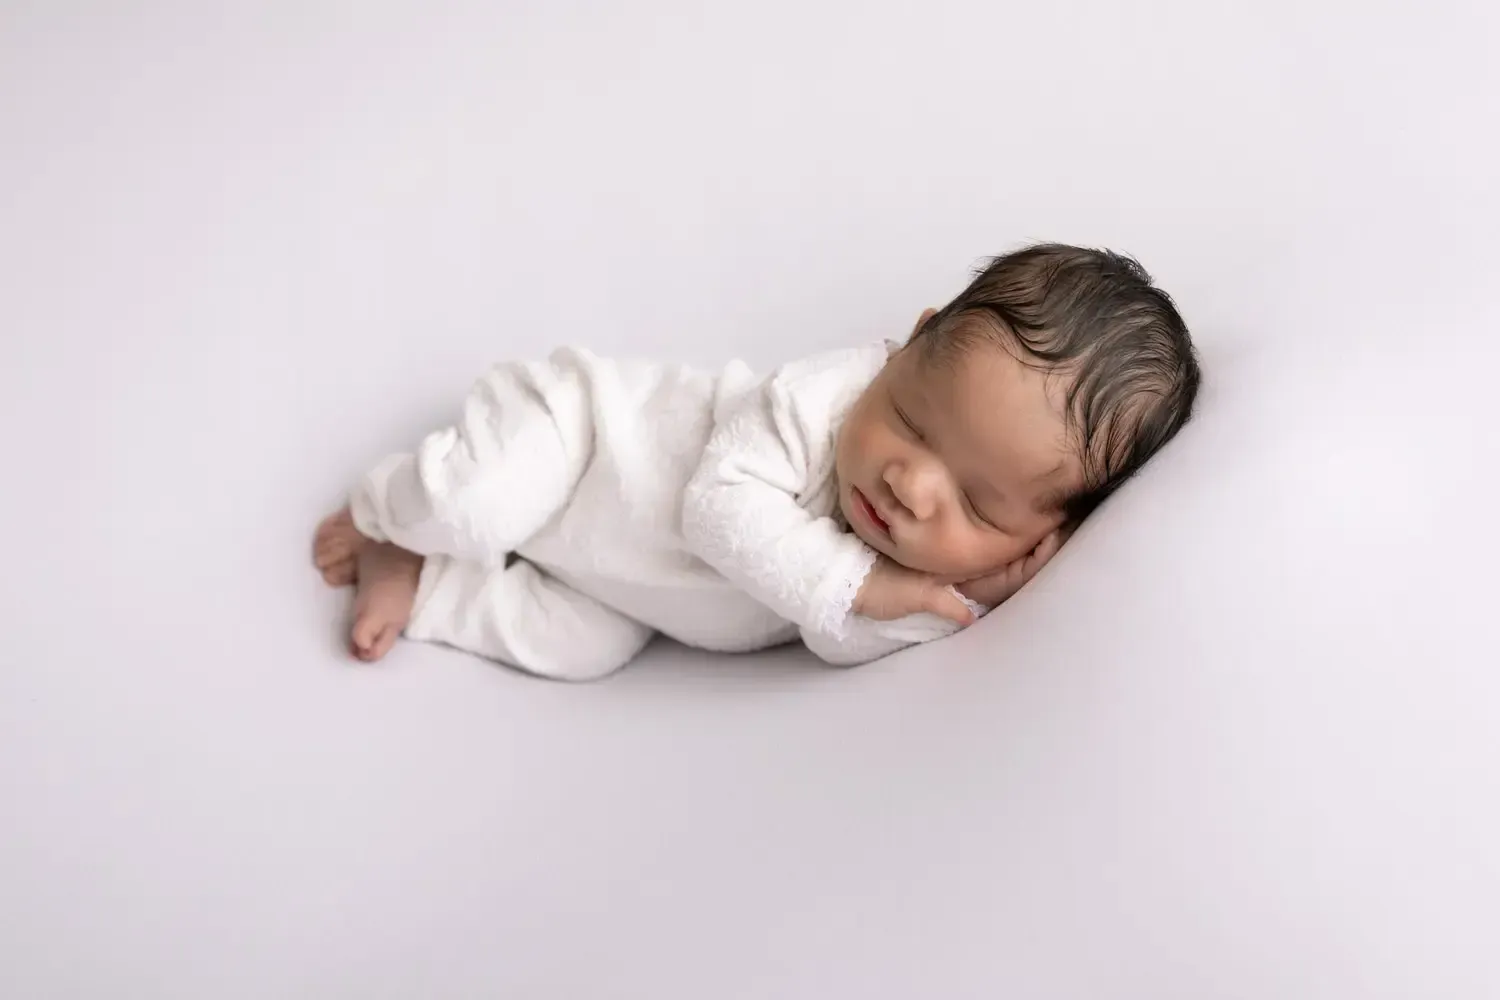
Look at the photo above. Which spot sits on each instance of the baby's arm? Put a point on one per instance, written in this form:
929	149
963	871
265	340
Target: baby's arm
741	516
867	639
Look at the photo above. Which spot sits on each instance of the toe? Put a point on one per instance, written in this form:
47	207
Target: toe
384	641
373	636
340	574
335	537
330	550
363	635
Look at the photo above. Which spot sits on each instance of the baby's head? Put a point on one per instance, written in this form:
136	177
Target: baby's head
1015	410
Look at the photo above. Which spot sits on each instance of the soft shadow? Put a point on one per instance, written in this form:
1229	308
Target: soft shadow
666	661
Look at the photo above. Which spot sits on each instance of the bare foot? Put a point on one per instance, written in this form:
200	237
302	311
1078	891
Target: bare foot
336	548
382	606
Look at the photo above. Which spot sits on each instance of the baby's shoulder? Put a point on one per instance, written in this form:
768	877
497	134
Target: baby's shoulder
830	381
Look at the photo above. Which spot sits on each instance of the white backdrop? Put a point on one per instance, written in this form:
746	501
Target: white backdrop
1241	740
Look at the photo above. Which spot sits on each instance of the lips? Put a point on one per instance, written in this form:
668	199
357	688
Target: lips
867	509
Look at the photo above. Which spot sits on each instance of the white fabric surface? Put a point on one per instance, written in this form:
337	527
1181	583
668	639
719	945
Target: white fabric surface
1239	740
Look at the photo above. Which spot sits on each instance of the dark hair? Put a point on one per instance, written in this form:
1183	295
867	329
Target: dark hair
1094	317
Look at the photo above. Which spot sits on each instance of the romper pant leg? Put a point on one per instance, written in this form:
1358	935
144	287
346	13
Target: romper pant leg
479	488
522	617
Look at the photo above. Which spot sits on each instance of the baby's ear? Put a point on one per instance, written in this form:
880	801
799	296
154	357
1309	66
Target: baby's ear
927	314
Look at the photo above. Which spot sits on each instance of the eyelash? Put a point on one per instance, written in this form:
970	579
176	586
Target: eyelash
977	515
909	425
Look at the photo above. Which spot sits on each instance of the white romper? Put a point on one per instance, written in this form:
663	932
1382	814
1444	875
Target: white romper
580	505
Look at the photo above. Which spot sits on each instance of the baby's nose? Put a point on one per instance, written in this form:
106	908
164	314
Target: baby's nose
914	490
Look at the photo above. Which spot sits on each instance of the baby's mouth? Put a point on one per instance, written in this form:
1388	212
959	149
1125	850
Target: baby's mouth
866	508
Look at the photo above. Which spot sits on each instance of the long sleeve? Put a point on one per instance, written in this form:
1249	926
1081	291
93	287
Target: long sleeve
741	516
479	488
755	511
745	510
866	639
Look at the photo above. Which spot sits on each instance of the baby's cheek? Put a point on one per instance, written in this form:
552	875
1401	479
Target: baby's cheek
850	448
1007	549
970	555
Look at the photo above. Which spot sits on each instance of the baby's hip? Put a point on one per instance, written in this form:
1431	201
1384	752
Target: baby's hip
675	594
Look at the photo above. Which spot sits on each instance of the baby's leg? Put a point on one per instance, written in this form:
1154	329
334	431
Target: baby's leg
478	489
520	616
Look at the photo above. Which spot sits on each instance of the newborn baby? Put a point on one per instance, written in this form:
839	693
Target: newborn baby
864	499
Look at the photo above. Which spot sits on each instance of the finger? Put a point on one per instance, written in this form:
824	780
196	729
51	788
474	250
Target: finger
1042	554
946	604
1007	582
990	590
1006	585
1049	546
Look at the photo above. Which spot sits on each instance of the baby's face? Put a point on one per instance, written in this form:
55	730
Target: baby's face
956	468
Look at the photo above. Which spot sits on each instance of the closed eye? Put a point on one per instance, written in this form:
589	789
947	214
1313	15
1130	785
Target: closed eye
979	514
907	421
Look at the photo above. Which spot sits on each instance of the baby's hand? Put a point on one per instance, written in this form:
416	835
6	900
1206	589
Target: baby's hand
1000	586
892	591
